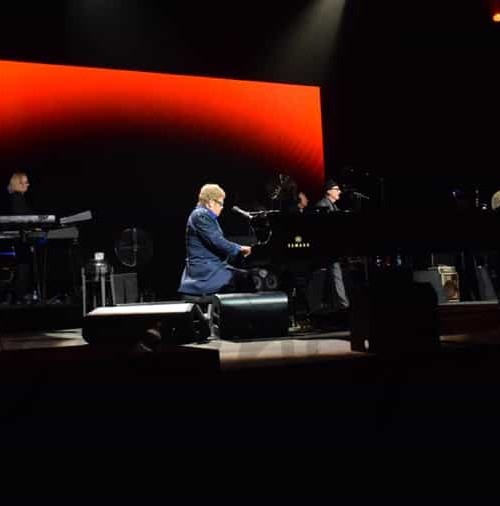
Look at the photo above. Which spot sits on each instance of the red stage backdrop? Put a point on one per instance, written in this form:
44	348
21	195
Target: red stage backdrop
45	106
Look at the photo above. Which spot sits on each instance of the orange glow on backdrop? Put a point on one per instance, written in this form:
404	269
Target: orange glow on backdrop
496	17
279	123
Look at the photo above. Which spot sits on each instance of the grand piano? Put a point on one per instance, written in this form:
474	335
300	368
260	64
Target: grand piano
303	243
317	235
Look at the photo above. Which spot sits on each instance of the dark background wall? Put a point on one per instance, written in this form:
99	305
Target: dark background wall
408	96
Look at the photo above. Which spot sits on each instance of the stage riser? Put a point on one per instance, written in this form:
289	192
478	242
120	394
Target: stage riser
40	317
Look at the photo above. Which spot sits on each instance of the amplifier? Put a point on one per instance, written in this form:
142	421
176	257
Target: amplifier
445	281
449	282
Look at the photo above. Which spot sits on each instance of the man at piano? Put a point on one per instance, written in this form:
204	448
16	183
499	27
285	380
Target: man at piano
208	252
18	205
340	300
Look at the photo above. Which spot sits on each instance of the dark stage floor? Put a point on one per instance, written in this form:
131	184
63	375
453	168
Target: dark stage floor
308	390
41	327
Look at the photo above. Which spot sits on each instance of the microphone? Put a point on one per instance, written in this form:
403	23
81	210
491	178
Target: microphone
246	214
361	195
254	214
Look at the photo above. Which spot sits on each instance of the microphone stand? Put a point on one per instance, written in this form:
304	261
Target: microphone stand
255	214
382	192
264	214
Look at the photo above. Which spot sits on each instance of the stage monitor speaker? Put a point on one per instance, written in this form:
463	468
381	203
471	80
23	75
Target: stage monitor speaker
444	280
129	324
484	284
394	318
251	315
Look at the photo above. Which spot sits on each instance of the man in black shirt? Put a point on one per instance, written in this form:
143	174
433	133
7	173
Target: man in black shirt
336	280
17	188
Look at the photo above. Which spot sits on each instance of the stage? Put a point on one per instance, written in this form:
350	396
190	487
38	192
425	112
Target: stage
299	347
42	327
308	390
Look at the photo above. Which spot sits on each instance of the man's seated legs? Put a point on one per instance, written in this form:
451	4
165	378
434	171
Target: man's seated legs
241	282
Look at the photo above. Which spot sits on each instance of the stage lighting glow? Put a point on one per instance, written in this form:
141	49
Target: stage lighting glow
496	17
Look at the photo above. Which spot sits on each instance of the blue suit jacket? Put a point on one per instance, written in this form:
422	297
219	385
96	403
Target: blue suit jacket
207	252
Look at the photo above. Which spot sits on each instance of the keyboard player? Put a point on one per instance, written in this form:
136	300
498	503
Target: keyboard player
17	204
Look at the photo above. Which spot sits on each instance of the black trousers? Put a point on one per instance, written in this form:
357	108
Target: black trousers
23	277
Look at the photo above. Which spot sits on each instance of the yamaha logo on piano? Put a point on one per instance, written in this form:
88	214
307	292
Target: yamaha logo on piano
298	242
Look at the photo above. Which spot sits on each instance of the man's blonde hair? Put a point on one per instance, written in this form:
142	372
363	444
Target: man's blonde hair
210	192
495	200
15	181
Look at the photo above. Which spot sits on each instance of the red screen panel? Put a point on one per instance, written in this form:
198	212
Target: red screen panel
278	125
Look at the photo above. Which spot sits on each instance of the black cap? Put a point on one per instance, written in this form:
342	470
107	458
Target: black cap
330	184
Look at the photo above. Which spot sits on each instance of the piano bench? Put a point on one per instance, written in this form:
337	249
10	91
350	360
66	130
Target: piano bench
207	309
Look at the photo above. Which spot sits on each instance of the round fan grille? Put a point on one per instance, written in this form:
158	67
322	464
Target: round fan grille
134	247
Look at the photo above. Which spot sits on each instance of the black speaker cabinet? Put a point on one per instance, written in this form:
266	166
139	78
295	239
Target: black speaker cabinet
128	324
251	315
444	280
484	284
126	288
316	290
432	277
394	317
